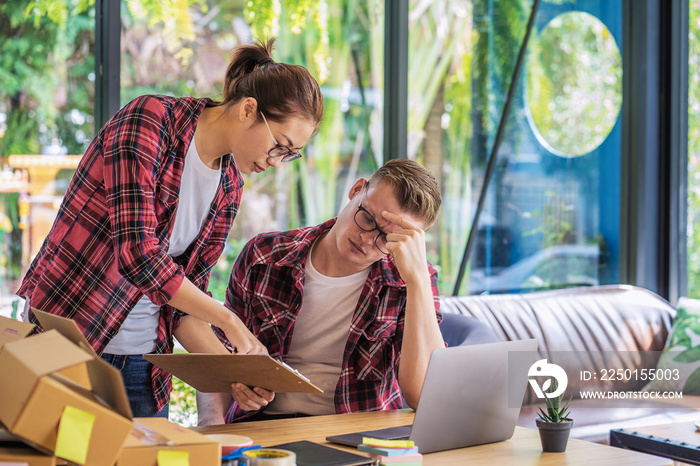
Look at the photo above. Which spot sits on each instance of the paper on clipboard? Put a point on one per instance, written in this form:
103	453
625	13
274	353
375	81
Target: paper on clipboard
214	373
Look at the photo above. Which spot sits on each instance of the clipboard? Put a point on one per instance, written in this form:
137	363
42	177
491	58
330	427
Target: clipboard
214	373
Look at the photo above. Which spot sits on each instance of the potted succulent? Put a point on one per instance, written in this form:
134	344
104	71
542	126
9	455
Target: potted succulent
554	424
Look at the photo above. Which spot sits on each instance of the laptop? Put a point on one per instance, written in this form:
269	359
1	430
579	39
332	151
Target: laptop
471	395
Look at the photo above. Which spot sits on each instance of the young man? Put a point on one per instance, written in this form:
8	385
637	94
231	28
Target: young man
352	303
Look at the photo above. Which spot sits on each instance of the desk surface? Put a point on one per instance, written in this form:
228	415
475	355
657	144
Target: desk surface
523	449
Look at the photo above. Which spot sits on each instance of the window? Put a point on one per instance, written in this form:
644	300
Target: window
550	213
549	192
693	238
46	113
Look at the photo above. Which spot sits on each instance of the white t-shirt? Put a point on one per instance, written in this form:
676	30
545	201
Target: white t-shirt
198	186
320	334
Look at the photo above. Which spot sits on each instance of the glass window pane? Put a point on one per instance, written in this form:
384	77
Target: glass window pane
46	122
694	149
693	237
440	119
550	216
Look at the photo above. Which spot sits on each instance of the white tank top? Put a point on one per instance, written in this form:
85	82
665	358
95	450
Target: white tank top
198	186
320	334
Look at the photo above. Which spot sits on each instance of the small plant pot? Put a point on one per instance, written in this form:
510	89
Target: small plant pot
554	435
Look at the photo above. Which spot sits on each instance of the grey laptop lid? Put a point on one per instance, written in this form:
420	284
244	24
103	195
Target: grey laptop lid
471	395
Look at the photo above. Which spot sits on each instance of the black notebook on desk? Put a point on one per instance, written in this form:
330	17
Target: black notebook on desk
315	454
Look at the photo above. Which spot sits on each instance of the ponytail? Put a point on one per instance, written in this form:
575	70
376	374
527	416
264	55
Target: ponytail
281	90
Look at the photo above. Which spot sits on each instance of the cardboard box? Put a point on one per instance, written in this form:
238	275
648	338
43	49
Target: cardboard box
14	452
152	435
54	413
18	454
70	330
13	330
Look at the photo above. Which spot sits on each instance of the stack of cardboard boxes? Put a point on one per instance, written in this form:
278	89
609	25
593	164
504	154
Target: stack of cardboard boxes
60	403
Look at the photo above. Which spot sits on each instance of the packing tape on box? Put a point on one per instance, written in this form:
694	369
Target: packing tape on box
271	457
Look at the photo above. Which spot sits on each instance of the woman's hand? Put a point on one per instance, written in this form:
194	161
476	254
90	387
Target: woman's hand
197	304
241	339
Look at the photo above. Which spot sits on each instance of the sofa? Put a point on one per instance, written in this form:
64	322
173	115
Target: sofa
625	325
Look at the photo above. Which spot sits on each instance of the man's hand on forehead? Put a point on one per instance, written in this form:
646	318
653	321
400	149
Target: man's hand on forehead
397	219
406	244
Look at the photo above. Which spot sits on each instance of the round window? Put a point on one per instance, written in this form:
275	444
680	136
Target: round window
574	84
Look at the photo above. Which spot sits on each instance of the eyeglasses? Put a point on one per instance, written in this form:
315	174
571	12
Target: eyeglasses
366	222
279	150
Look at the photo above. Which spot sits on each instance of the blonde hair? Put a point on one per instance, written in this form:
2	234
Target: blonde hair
416	189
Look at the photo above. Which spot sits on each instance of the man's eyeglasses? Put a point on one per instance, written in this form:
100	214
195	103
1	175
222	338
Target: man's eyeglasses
366	222
279	150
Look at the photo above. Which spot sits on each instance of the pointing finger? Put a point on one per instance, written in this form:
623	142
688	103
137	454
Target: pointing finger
398	220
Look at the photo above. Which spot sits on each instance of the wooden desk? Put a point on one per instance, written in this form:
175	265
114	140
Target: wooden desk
523	449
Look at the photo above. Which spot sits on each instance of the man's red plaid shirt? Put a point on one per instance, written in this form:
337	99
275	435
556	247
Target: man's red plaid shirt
266	291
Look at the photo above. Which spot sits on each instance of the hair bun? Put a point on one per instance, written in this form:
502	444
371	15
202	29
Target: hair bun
265	60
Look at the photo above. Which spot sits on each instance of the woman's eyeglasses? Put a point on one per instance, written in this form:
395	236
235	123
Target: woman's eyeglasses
366	222
280	150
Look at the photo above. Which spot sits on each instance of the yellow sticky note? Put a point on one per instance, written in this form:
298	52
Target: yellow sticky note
74	432
375	442
173	458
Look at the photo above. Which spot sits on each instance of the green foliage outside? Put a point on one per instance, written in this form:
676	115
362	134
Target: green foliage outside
10	237
46	57
218	281
45	60
693	232
495	53
556	221
183	403
574	87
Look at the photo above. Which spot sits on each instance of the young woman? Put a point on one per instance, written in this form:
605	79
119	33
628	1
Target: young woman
148	211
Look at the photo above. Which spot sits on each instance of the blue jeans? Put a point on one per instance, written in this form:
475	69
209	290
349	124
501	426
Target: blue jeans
136	373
